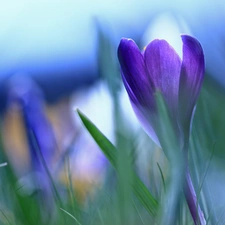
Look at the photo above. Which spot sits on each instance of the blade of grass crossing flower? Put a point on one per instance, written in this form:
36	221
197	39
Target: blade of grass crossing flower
139	189
170	146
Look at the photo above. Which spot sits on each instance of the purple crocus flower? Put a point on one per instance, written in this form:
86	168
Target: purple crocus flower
160	69
40	136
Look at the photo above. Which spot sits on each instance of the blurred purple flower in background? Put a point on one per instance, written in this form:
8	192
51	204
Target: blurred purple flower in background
40	137
159	68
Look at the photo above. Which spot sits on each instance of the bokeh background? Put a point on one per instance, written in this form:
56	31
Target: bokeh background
57	56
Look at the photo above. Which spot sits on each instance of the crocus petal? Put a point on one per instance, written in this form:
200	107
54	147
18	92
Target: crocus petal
163	66
146	121
142	113
134	74
191	77
128	89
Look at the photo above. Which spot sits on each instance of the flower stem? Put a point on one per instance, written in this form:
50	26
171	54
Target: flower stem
192	201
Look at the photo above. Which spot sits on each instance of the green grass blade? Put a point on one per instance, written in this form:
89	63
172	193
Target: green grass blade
139	189
104	144
71	216
162	177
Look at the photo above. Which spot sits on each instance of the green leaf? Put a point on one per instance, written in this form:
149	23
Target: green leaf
110	151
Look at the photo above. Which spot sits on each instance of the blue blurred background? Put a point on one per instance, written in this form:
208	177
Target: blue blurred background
62	55
56	42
